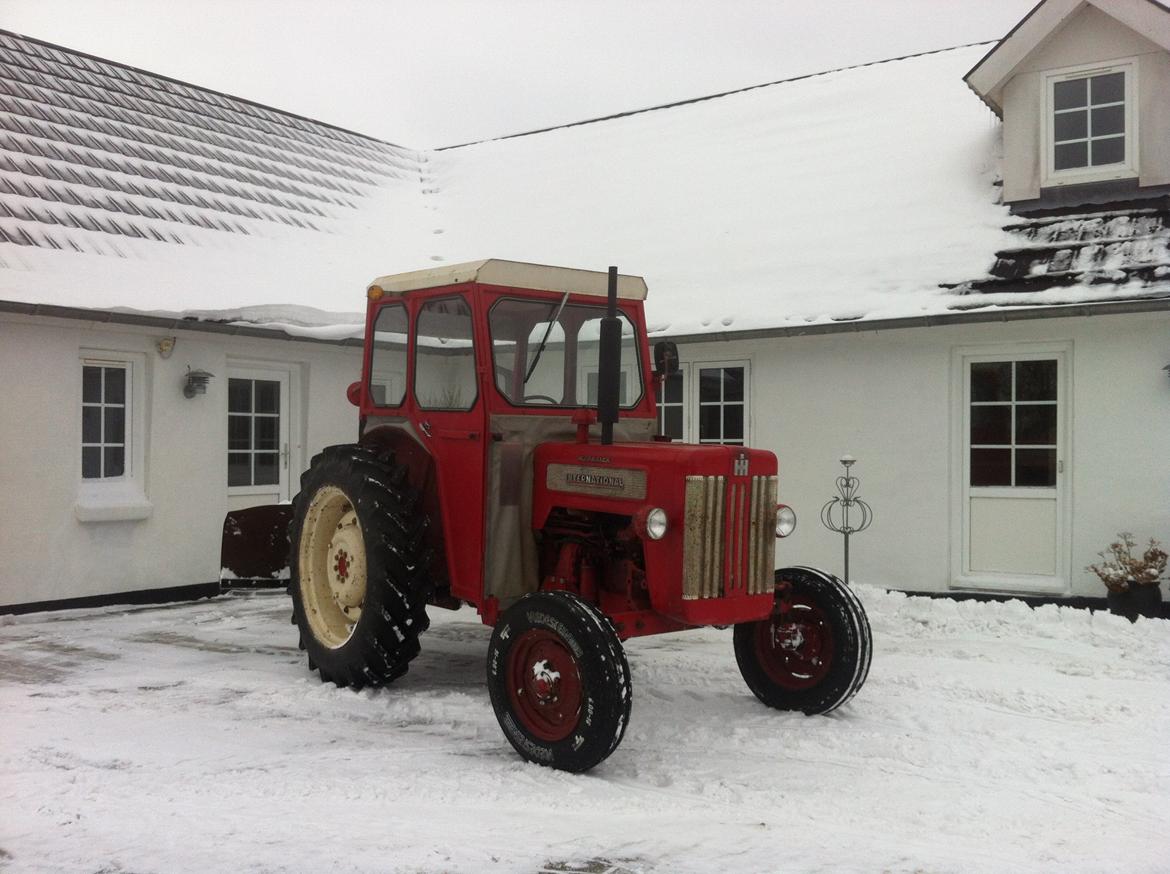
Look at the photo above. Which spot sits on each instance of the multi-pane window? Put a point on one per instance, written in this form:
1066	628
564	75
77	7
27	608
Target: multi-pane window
253	432
722	404
1013	423
1088	121
670	406
104	409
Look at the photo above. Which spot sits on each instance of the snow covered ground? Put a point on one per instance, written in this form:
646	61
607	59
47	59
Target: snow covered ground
192	738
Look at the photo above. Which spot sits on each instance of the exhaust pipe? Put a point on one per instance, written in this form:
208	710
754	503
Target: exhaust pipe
609	367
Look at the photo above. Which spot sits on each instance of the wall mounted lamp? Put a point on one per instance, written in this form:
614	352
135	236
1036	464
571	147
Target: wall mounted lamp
196	383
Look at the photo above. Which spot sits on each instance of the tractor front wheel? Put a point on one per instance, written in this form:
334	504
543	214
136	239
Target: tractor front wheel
559	681
812	654
359	581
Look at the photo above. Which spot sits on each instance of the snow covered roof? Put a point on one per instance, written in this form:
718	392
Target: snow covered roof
1113	250
863	194
120	188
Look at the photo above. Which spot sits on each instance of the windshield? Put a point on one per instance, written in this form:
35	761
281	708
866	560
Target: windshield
564	373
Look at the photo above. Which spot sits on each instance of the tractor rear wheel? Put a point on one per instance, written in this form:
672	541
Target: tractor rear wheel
813	653
559	681
358	567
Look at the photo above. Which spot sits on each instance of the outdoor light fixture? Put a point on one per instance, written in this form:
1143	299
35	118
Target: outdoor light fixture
196	383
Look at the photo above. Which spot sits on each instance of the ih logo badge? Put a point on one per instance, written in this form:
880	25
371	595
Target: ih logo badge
741	464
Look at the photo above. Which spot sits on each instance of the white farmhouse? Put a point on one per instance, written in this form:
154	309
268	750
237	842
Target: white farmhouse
954	266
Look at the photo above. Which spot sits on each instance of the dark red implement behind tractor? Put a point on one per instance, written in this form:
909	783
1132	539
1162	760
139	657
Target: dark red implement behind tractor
492	469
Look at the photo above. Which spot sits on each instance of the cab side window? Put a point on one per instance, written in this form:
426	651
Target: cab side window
444	366
388	357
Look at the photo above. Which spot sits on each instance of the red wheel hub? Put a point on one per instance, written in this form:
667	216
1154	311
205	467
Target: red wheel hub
341	564
795	647
544	685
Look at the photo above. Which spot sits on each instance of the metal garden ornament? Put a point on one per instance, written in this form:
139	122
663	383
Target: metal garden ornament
847	514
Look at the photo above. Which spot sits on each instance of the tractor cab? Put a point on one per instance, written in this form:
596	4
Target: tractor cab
492	378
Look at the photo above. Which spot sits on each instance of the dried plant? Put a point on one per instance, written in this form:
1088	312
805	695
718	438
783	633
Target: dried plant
1120	568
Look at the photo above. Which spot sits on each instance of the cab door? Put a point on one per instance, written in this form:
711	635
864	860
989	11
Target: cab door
449	417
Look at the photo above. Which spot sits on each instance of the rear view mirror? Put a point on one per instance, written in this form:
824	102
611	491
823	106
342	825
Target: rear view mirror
665	358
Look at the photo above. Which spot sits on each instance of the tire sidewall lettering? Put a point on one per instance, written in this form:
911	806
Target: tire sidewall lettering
543	620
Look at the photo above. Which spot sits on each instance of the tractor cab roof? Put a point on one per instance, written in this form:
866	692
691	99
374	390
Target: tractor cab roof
513	274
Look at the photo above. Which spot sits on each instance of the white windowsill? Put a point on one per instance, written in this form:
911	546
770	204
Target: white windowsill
112	502
1085	177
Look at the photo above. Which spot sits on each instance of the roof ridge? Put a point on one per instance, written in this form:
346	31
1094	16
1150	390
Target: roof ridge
714	96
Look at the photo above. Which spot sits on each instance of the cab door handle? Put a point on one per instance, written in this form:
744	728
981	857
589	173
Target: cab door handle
456	434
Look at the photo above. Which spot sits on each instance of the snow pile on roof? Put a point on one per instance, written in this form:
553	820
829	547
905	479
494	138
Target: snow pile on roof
1094	256
848	195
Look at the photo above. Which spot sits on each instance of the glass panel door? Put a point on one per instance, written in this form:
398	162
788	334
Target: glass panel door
257	437
1012	518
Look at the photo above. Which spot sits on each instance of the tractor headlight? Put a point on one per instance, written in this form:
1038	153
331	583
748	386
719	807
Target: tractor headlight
651	522
785	520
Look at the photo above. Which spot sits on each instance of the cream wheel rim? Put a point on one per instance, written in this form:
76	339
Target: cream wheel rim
332	562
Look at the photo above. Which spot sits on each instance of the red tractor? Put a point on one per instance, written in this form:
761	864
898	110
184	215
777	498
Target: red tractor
508	458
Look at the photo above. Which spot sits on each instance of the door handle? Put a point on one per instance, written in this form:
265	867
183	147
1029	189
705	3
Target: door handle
284	456
449	433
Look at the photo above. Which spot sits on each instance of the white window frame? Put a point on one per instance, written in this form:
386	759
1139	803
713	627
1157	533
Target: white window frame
101	405
1080	175
288	436
692	394
121	498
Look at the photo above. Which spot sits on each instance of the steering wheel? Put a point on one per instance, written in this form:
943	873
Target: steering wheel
542	398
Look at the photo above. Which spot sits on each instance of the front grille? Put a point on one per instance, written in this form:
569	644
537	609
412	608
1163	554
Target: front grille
729	542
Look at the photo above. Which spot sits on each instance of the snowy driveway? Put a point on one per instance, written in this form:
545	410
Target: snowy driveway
192	738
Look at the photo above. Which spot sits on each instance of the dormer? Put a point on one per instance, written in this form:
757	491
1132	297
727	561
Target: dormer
1083	89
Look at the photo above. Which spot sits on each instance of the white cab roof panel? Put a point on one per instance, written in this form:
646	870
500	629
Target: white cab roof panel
514	274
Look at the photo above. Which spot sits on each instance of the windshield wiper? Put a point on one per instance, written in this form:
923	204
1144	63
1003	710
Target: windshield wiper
544	339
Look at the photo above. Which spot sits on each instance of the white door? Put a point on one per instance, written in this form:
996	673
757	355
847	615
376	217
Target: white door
1013	460
257	437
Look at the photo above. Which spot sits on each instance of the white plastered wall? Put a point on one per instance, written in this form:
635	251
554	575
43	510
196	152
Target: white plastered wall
49	553
1090	36
887	398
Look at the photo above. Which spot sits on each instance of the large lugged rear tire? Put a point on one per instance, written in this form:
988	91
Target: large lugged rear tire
358	567
813	653
559	681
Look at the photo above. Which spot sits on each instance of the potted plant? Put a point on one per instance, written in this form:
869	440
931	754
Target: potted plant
1131	580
